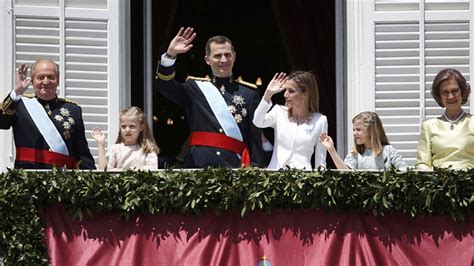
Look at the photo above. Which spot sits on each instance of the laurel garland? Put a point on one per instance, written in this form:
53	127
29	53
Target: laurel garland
412	193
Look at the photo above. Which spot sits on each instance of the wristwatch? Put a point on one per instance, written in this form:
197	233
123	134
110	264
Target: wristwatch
169	56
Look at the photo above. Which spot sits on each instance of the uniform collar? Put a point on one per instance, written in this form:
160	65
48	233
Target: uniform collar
218	81
44	102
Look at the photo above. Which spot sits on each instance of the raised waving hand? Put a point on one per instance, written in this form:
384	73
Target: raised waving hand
22	82
98	135
182	42
100	138
275	86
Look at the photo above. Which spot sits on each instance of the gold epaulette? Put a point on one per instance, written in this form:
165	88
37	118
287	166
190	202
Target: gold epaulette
6	106
248	84
68	101
199	78
28	95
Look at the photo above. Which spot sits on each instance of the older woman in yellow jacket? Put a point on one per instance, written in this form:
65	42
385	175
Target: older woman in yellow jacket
448	140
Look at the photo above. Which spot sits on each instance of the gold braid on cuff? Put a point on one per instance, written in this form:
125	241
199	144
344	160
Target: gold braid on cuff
5	106
165	77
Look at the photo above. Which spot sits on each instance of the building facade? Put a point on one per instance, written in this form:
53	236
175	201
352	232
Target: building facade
388	52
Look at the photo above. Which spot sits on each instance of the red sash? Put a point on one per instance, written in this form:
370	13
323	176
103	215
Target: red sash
45	157
222	141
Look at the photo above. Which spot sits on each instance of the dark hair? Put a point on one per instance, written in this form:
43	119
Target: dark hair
220	39
306	82
450	74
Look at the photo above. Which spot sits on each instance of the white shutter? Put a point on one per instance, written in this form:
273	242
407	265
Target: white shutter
397	79
36	37
446	45
86	72
82	36
406	43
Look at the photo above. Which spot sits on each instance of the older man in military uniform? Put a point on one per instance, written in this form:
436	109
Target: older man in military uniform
219	109
48	130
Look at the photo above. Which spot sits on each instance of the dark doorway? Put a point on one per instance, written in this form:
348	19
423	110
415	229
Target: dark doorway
269	36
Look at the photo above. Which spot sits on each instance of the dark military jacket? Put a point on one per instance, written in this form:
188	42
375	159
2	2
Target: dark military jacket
66	116
241	100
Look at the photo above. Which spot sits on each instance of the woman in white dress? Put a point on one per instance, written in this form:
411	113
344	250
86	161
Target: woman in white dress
297	125
135	147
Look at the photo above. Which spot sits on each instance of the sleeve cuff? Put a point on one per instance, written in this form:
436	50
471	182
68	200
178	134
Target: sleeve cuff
14	97
166	61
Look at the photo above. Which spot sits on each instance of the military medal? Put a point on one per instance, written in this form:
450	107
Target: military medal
58	118
48	109
238	102
66	121
238	118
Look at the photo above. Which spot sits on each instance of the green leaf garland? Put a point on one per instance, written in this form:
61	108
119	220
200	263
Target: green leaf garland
22	193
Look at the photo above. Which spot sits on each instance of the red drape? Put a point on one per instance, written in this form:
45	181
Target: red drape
284	237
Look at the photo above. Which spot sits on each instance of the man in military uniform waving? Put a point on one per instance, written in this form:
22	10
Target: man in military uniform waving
219	110
48	130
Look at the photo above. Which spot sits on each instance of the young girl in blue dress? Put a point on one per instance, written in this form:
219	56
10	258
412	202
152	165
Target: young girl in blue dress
372	150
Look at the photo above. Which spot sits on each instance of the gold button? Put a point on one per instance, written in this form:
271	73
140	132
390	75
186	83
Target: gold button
218	153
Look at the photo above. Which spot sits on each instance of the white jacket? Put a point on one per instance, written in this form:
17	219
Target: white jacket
294	144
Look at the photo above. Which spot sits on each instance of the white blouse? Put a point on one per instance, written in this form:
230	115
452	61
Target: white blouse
294	144
124	157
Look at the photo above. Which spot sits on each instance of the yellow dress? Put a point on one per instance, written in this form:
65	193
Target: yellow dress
441	146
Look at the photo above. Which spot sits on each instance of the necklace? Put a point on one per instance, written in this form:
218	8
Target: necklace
301	120
452	122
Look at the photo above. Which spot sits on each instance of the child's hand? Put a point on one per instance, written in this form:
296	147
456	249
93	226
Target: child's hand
326	141
98	136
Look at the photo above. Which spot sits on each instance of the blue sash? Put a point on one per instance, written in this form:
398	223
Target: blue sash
45	125
220	109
